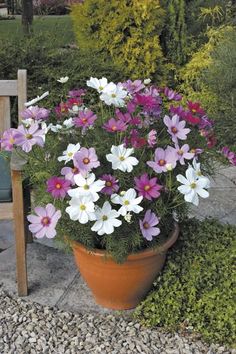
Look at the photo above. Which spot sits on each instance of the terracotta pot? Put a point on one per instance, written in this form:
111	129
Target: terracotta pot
121	286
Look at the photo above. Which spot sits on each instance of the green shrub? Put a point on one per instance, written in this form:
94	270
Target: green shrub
45	64
210	76
128	31
198	285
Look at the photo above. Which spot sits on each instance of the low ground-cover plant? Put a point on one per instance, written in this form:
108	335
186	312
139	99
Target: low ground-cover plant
197	288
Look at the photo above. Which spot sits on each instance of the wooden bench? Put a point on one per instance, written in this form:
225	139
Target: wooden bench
17	209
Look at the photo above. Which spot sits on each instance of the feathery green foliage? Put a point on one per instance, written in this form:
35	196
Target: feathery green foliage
197	287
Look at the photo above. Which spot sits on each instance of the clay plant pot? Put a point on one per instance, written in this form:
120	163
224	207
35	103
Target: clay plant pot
121	286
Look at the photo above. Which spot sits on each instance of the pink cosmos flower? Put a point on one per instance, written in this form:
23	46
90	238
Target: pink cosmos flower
183	153
148	188
28	137
172	95
164	160
76	93
147	225
36	113
8	139
113	126
133	86
85	119
58	187
85	160
124	117
152	138
148	102
69	174
111	184
230	155
176	128
44	222
134	139
206	123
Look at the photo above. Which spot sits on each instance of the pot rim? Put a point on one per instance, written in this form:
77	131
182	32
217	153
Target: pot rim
140	254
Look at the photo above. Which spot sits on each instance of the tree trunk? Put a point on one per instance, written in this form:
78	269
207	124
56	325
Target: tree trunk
27	16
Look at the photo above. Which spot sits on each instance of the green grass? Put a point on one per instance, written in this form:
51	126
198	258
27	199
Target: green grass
59	28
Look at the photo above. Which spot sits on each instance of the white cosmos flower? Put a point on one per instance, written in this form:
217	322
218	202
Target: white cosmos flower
63	80
128	202
97	84
87	186
114	95
198	172
81	209
146	81
121	159
68	123
68	154
192	186
54	128
106	220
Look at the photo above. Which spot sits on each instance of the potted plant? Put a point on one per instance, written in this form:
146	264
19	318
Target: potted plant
113	167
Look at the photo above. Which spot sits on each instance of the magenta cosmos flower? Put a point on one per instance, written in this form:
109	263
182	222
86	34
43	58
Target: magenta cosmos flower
183	153
111	184
164	160
85	160
113	126
44	222
176	128
8	139
58	187
28	137
36	113
69	173
148	188
85	119
147	225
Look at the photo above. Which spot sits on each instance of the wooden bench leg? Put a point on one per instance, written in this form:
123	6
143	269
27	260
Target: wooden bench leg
19	224
27	209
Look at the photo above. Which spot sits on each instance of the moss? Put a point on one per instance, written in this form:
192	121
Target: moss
197	287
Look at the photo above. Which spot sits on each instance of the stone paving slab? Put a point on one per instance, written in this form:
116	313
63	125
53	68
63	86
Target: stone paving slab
50	272
6	234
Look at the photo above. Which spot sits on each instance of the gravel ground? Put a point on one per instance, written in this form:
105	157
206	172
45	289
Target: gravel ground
29	328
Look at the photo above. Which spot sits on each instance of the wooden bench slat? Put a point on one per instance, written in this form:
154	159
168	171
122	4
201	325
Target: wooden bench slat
8	88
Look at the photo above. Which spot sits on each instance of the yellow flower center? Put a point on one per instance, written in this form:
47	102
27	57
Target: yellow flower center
70	154
114	128
126	202
82	207
11	141
29	136
162	162
86	187
108	184
104	217
147	187
146	225
113	95
45	221
122	158
86	161
58	186
193	185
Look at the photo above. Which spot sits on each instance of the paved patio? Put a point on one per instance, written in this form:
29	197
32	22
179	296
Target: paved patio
53	277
